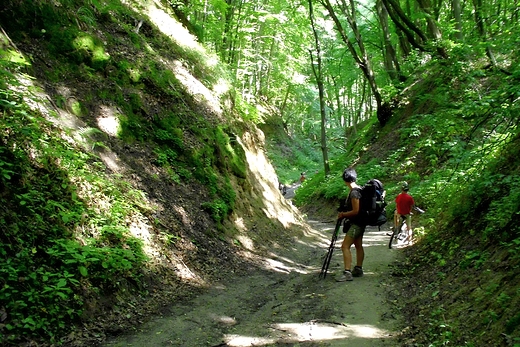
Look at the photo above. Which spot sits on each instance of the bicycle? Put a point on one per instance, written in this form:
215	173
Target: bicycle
328	257
400	233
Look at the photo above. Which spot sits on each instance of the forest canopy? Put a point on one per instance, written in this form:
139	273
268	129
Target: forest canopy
420	91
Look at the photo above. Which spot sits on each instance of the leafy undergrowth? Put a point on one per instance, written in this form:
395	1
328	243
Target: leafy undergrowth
455	293
454	137
119	185
73	243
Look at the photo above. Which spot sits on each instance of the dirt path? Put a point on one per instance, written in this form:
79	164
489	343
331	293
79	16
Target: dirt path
286	304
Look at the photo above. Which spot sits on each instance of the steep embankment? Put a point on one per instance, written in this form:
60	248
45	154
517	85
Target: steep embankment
128	177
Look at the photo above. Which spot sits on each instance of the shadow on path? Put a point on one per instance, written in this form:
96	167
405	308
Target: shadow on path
285	303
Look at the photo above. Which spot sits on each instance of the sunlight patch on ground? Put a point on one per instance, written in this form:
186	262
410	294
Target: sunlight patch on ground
111	160
246	242
305	243
170	27
78	132
239	223
141	230
224	320
247	341
375	238
194	87
285	267
322	331
308	331
108	121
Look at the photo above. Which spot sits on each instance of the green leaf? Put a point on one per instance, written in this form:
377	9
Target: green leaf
61	295
61	283
83	271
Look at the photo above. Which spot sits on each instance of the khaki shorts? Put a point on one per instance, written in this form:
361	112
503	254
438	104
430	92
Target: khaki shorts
355	231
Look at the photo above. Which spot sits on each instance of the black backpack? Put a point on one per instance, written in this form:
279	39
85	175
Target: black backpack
372	205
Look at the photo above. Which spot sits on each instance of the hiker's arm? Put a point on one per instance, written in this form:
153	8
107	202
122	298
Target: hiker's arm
353	212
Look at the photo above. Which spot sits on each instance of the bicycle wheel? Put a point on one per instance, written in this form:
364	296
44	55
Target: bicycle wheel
393	238
399	235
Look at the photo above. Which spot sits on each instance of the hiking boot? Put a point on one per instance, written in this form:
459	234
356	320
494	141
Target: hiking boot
344	276
357	272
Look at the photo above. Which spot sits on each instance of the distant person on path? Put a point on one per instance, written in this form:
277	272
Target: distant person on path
354	234
302	177
282	187
404	203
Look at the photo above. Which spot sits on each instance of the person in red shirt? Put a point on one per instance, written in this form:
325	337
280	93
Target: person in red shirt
404	203
302	177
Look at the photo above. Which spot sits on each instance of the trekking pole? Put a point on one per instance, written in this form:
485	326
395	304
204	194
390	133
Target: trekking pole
328	257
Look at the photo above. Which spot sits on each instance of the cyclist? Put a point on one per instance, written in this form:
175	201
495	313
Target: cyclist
404	204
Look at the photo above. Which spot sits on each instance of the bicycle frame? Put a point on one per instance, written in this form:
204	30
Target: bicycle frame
397	231
328	257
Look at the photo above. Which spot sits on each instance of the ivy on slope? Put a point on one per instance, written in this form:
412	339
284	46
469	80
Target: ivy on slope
456	140
64	228
461	149
65	237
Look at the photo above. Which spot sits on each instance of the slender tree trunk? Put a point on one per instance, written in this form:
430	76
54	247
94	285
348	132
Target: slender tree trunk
404	44
318	74
227	41
389	54
337	99
361	101
433	29
481	27
457	16
383	110
234	53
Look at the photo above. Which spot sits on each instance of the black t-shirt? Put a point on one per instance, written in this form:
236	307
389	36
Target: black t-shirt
355	193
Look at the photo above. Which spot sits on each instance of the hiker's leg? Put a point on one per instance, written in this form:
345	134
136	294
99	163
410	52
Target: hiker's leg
360	251
397	216
345	249
409	230
354	236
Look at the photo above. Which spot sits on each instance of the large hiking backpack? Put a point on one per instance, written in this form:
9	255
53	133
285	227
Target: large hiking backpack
372	205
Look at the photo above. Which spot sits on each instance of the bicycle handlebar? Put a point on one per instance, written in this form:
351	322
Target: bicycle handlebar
418	209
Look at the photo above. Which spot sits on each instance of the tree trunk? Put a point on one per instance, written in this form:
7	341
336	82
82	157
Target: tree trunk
361	58
481	27
457	16
389	54
318	74
433	29
405	25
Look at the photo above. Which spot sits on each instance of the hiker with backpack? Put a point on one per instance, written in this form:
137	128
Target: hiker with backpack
354	234
404	203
